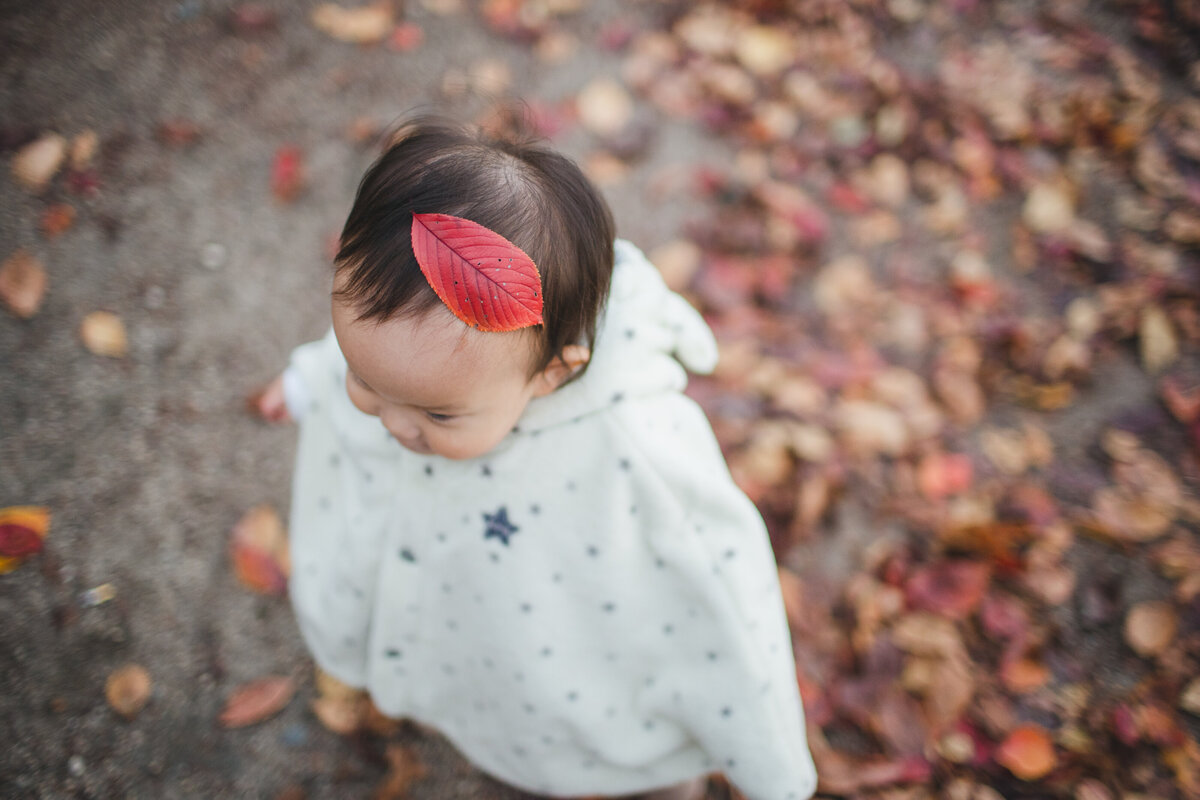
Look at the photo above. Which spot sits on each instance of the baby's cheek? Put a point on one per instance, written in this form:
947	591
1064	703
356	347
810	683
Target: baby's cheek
363	400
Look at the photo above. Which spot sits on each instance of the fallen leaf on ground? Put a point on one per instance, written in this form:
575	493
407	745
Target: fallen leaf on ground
1027	753
404	768
22	534
604	107
361	25
57	219
287	173
1189	700
1150	627
22	284
36	164
256	701
259	549
128	690
951	589
103	334
1158	344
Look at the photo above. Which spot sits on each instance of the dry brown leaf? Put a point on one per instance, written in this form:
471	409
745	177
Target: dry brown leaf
361	25
1157	341
604	107
103	333
256	701
764	50
1049	207
870	429
83	149
404	768
36	164
22	284
1150	627
128	690
1189	700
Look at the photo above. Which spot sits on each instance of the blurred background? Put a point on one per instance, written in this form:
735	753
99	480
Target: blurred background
949	248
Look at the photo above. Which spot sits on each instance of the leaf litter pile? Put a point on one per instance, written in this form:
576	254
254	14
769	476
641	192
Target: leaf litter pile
917	270
952	266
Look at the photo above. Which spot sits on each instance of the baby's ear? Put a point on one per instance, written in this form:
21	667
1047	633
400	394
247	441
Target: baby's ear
572	359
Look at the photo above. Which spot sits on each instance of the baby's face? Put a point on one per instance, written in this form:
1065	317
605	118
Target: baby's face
437	385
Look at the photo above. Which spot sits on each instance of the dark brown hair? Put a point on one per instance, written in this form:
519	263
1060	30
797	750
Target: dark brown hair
536	198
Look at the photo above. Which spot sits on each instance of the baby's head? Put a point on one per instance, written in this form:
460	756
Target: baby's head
437	384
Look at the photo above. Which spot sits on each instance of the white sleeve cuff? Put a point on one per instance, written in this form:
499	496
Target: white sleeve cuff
295	393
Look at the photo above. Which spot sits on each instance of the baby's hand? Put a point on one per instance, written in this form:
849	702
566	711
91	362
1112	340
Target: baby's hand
269	403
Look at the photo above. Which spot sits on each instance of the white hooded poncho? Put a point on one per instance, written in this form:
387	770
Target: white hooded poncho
591	608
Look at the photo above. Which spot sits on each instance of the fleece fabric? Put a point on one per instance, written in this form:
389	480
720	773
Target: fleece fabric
592	608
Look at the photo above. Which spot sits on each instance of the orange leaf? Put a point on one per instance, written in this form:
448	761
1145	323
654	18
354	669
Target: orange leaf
22	284
127	690
404	768
1024	675
256	701
1027	753
259	550
57	219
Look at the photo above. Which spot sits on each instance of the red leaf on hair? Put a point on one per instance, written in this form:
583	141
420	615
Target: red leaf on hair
486	280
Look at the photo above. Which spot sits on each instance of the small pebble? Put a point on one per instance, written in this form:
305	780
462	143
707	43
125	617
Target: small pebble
213	255
75	766
98	595
294	735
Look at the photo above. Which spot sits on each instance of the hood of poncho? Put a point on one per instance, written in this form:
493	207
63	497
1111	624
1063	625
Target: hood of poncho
647	339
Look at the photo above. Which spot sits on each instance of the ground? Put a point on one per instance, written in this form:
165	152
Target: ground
147	460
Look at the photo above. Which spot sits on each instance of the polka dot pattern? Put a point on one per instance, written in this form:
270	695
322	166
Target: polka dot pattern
591	608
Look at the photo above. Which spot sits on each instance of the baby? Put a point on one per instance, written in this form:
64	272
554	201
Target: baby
524	535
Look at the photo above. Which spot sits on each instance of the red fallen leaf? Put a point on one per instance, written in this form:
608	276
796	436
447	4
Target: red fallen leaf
287	173
405	37
83	182
256	701
22	531
250	19
943	474
845	197
1003	616
1027	753
841	775
178	132
259	551
1125	725
486	280
1184	404
952	589
616	35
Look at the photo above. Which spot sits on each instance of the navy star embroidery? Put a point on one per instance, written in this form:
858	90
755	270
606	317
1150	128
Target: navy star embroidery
497	526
